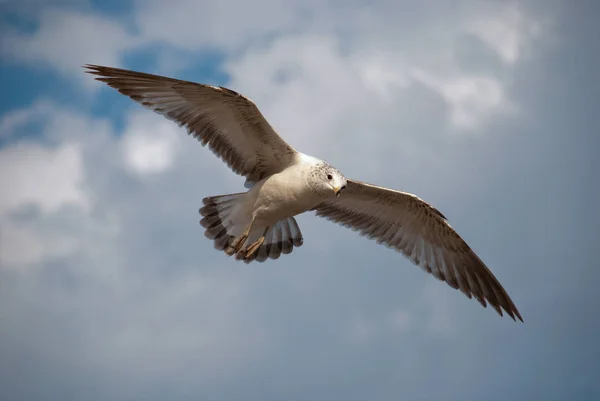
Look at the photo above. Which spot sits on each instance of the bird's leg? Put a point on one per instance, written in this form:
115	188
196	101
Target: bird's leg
237	243
252	248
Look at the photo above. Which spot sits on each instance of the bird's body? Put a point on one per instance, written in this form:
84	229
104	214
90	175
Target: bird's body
283	194
259	224
270	203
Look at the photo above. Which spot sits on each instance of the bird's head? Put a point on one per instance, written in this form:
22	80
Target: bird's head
327	181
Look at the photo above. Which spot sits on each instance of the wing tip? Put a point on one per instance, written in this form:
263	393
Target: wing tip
512	312
92	68
517	314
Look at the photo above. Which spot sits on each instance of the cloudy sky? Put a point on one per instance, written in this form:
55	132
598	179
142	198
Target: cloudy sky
109	290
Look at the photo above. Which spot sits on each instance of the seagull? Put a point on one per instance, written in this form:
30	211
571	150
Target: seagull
281	182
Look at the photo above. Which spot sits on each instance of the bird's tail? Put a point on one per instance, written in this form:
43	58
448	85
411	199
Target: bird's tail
280	239
223	226
216	219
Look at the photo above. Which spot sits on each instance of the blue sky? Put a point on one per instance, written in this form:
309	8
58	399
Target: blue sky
109	290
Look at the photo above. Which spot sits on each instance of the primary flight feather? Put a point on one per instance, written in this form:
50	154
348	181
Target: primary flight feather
259	224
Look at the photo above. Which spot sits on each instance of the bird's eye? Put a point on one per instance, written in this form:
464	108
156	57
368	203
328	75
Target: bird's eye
329	176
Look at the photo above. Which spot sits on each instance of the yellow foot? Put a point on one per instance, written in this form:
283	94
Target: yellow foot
252	248
236	245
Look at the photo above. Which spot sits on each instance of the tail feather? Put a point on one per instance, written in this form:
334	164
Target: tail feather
280	239
214	213
276	242
296	236
286	232
217	221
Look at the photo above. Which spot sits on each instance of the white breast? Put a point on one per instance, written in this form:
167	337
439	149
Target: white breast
282	195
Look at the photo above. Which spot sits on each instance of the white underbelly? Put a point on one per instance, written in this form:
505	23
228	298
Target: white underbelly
280	196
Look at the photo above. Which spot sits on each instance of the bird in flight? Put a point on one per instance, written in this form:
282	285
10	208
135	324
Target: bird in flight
259	223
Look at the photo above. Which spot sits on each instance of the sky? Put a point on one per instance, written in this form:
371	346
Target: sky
486	109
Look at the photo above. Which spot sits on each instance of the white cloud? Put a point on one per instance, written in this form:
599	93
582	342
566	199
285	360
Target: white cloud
22	246
384	77
46	206
12	120
348	80
46	178
193	25
65	40
150	143
49	179
505	28
472	99
286	78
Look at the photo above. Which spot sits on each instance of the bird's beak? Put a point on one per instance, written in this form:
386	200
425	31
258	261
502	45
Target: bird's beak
338	190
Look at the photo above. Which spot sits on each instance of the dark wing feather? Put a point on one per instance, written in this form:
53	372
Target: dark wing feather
406	223
229	123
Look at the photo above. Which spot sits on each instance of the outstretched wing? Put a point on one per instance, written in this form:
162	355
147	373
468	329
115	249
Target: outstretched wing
229	123
410	225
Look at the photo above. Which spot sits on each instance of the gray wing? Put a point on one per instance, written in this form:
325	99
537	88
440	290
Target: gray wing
407	224
229	123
